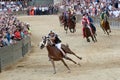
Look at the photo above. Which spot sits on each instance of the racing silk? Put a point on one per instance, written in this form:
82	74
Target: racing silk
85	21
91	23
53	35
103	16
90	19
66	16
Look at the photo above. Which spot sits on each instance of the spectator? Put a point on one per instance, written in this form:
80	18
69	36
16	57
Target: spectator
93	7
11	29
17	35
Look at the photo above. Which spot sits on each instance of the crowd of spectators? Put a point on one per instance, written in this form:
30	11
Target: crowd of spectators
12	29
12	6
93	7
42	10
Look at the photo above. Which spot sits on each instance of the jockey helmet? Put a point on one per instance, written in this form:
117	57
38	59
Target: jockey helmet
51	31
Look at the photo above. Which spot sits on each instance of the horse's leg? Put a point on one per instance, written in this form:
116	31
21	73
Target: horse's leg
65	64
74	29
108	27
102	28
107	32
65	27
68	50
71	60
88	40
71	52
76	56
66	57
71	30
92	38
52	61
95	37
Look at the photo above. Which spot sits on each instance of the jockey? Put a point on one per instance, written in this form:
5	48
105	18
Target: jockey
85	23
54	38
104	16
66	16
91	22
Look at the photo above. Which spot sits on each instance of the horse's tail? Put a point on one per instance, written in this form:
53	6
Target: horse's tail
67	45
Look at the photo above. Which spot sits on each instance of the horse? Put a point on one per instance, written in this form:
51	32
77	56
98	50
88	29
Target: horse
93	29
55	54
104	24
71	22
89	33
61	19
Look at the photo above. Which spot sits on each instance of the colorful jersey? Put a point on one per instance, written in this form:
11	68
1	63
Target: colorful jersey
90	19
102	16
85	21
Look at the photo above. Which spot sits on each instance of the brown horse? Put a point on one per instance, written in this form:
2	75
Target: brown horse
71	23
63	22
105	26
61	19
55	54
89	33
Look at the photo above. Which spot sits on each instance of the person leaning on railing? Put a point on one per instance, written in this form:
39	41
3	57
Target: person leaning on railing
12	29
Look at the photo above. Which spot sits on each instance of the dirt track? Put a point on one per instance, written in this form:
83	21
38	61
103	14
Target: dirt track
101	60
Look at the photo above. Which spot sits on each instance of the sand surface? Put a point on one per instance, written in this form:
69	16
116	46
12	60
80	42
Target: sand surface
101	60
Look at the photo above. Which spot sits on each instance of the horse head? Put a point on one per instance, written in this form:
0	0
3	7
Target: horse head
45	42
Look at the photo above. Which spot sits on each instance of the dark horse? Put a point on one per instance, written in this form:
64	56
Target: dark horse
71	23
56	55
89	33
61	19
105	26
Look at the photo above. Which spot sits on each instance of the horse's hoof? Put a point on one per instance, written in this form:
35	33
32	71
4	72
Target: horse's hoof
79	64
88	40
80	58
